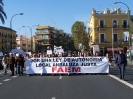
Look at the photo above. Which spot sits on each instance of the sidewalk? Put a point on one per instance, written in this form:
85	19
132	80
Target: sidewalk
130	62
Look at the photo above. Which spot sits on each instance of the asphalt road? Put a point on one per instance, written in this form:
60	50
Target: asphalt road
66	87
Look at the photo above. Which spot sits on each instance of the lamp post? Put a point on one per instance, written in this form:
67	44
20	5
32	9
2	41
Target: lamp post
11	26
130	43
31	33
113	42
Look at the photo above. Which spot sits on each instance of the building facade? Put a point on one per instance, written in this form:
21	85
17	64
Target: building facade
23	43
34	46
45	38
7	39
109	30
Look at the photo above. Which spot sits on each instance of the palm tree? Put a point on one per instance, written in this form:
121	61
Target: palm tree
2	13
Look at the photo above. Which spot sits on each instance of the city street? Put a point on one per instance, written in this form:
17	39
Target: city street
67	87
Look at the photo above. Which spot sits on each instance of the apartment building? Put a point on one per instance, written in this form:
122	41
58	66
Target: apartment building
109	29
23	43
45	38
7	39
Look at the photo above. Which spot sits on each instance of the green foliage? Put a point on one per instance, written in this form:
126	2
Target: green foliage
64	40
2	13
80	35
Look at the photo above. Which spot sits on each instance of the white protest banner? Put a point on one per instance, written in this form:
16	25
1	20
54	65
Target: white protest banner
28	53
60	51
49	51
67	65
95	48
1	53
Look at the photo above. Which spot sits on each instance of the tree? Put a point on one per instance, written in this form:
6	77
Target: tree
2	13
64	40
80	35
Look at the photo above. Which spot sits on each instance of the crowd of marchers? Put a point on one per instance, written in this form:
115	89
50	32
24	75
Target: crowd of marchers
16	62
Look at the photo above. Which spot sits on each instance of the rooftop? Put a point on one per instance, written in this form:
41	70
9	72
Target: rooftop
6	28
44	27
110	11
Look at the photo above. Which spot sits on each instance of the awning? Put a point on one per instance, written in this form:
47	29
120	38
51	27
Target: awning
115	49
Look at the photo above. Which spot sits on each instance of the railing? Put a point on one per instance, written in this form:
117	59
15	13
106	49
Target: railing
125	26
102	26
115	26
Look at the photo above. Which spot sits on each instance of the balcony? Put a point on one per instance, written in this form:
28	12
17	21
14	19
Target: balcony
42	32
102	26
43	38
115	26
125	26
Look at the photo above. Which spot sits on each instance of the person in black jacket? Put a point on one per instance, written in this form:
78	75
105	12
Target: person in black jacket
19	62
121	61
11	63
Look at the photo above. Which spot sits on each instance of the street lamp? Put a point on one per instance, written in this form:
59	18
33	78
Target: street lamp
31	32
11	25
130	43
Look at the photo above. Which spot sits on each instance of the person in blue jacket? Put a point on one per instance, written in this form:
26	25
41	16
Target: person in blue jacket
121	61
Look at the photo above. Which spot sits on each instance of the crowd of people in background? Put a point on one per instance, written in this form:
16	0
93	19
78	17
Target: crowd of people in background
16	63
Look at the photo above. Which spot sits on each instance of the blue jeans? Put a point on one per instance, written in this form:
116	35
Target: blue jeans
121	70
19	69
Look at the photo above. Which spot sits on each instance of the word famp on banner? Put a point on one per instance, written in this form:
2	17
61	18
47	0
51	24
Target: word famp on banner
65	69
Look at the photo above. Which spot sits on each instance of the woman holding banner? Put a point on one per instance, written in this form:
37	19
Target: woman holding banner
109	59
25	58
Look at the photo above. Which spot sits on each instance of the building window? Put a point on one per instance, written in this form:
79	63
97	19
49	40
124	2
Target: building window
115	37
115	23
102	23
53	31
45	36
125	24
102	38
46	41
45	30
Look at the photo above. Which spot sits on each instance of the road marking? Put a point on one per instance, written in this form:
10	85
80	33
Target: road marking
14	76
60	77
53	97
124	82
6	79
0	83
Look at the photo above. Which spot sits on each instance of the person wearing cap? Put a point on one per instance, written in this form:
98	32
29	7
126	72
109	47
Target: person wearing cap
121	61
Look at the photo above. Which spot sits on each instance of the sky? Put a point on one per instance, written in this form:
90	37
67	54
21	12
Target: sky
58	13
